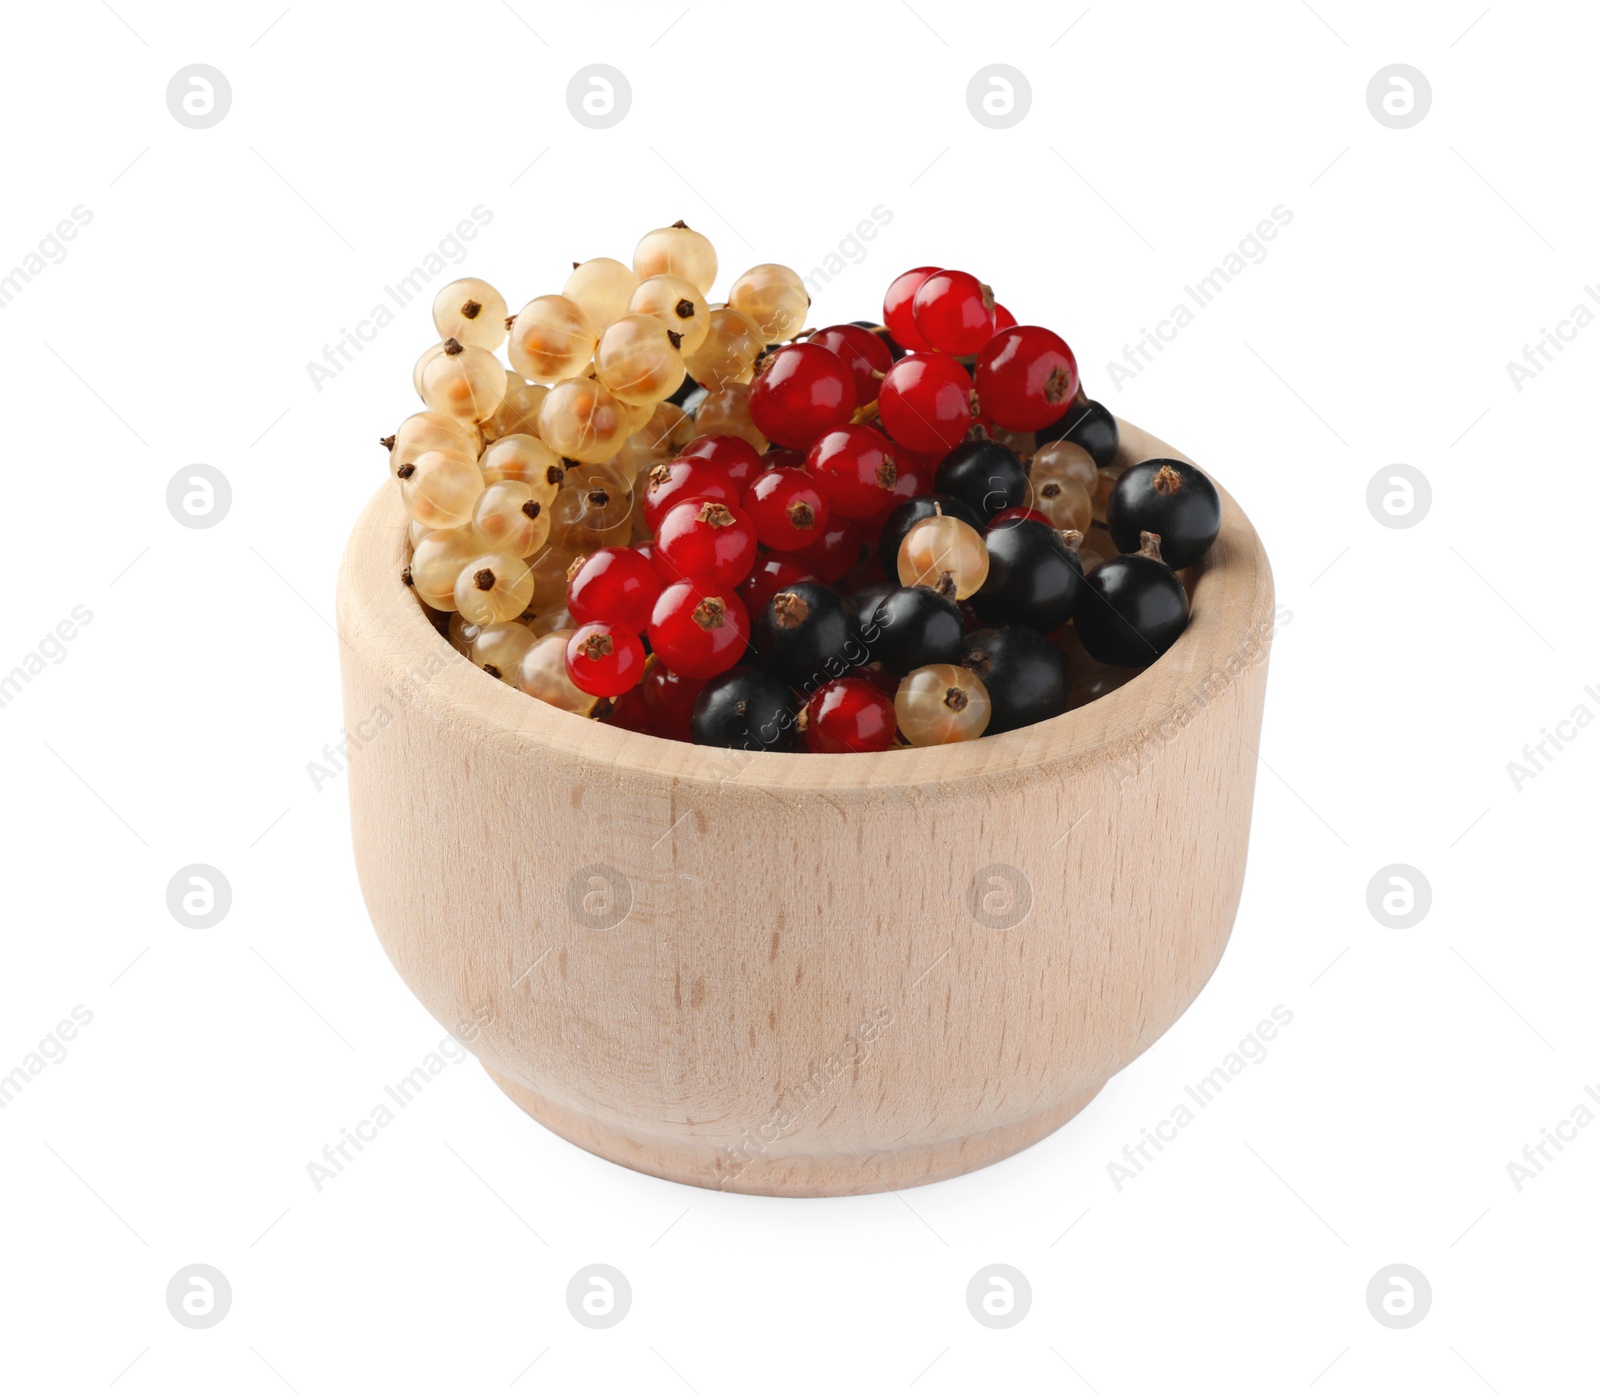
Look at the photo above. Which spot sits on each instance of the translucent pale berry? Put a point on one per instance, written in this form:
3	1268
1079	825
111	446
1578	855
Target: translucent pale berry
518	412
726	412
498	649
699	629
941	703
927	402
954	312
440	489
855	467
527	459
464	382
551	339
592	510
602	286
605	660
1026	377
801	392
616	585
638	361
580	419
787	507
1065	460
774	297
1064	502
436	562
897	308
543	674
678	304
732	345
507	518
705	538
493	587
677	251
472	312
426	431
668	430
945	554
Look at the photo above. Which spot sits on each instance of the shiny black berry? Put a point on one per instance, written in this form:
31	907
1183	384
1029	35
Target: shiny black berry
747	710
1171	499
1025	674
899	522
688	395
807	634
1090	426
985	475
1034	577
1133	608
913	626
868	598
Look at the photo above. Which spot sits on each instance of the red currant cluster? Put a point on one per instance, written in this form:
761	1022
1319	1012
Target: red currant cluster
711	525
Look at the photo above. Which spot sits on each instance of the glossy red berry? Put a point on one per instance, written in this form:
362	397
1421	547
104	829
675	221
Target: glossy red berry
780	457
669	699
705	539
740	460
864	354
913	477
855	467
927	402
954	312
1027	377
1017	514
631	713
771	574
849	714
1003	318
787	508
897	312
699	629
687	477
615	585
605	660
799	392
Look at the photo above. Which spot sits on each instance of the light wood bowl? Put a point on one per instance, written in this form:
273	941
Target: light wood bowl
801	975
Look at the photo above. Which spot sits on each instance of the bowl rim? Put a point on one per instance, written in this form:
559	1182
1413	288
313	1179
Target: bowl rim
381	619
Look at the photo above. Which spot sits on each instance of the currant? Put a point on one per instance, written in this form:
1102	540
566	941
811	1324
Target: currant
581	420
472	312
507	518
668	431
898	313
551	339
1034	577
1003	318
787	508
464	383
707	540
940	704
638	361
1171	499
669	700
1063	459
493	587
698	629
835	552
855	467
904	515
603	287
863	353
518	412
736	457
428	431
614	585
1089	425
440	490
527	460
912	627
745	709
944	553
687	477
543	674
1134	608
1025	676
726	412
1026	377
985	475
729	352
592	510
605	660
677	251
801	392
436	562
679	305
926	401
774	297
808	633
499	649
1063	503
550	567
954	312
771	574
849	714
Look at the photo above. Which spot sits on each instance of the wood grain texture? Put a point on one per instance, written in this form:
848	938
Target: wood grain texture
802	975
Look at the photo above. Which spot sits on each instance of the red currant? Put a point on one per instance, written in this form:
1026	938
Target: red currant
913	477
616	585
699	629
898	317
781	456
954	312
787	508
687	477
604	660
705	539
1003	318
1027	377
740	460
855	468
630	712
1014	515
835	552
799	392
849	714
864	354
669	701
770	575
927	402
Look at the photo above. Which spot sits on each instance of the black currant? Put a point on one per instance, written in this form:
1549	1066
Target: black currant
985	475
1171	499
866	599
807	634
1025	674
899	522
747	710
687	395
1034	576
1090	426
914	626
1133	608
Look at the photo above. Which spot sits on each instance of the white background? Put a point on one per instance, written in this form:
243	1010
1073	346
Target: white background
178	726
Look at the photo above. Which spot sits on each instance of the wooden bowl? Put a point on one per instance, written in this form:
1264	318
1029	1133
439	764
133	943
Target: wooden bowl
801	975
